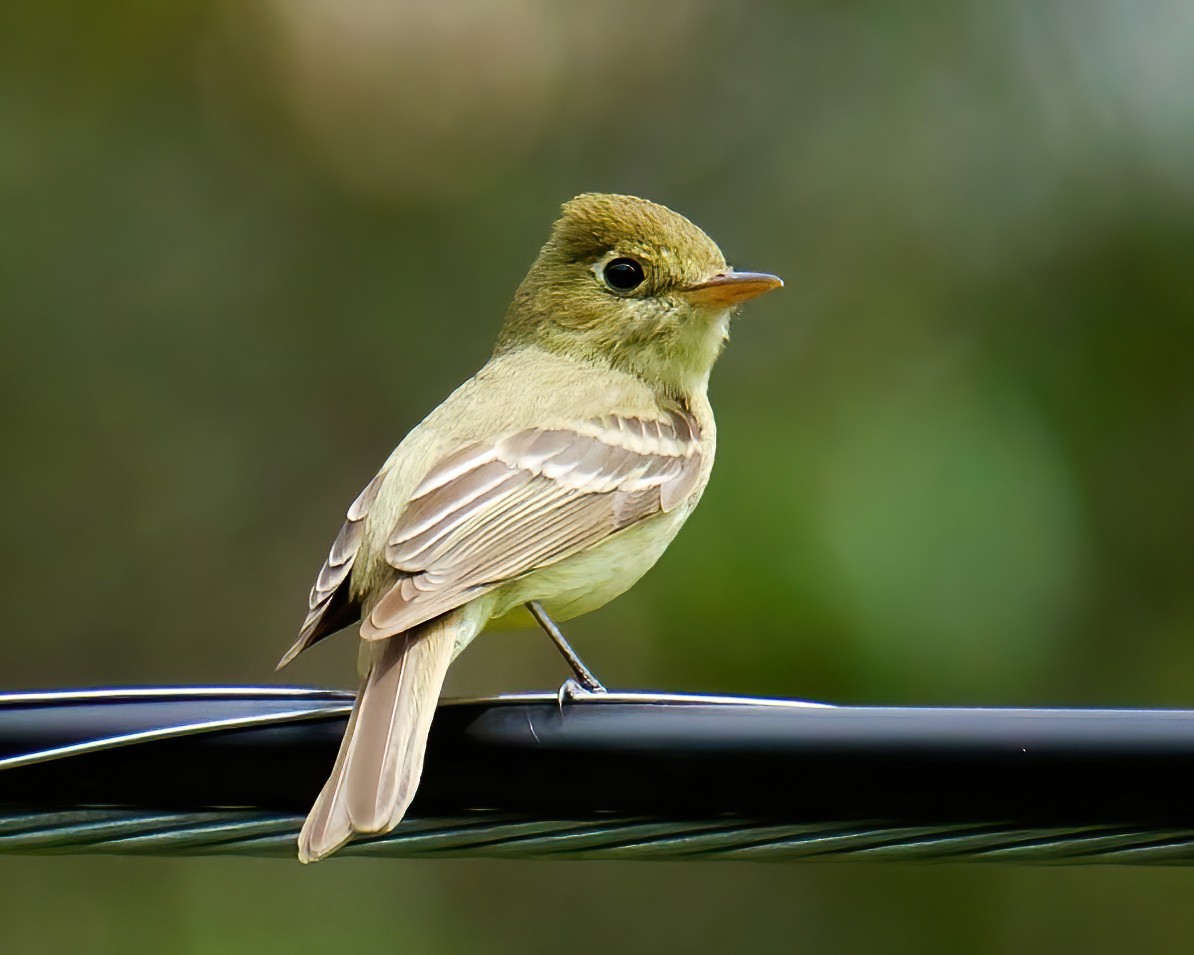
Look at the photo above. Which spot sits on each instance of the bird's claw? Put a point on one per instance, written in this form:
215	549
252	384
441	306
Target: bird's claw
572	690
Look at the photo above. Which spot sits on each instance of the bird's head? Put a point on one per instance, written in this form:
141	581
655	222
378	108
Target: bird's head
631	284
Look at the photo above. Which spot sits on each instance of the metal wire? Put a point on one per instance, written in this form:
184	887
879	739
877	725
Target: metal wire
622	776
493	835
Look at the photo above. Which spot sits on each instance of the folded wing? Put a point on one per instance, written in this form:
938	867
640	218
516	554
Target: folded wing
502	508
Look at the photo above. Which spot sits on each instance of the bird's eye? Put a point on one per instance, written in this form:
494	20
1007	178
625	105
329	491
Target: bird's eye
622	275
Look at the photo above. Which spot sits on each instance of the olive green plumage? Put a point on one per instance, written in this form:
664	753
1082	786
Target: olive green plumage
559	473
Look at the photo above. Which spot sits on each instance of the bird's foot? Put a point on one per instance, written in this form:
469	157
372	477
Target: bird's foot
572	690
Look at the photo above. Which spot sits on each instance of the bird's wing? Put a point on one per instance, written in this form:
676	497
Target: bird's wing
501	508
330	607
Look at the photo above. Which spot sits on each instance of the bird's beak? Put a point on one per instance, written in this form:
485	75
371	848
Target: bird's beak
730	288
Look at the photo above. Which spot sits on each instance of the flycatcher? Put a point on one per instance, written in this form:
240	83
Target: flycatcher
542	488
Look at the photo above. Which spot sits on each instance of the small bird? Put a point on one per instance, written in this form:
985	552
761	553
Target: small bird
543	487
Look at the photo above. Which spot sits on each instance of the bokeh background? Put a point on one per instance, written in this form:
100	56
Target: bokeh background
244	247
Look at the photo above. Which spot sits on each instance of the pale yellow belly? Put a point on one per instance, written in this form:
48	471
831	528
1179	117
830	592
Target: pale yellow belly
590	579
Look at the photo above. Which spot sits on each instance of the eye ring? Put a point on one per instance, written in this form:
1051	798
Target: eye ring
623	274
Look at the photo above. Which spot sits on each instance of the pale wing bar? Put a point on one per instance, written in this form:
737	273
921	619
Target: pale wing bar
500	509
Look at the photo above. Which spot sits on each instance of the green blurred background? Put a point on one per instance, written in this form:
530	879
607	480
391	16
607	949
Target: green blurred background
244	247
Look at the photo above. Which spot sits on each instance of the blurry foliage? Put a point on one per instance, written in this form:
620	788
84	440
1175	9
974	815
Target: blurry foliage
243	248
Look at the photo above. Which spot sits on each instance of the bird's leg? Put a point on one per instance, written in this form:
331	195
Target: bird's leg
585	680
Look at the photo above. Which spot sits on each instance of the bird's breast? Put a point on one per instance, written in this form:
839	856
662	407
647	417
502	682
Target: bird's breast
592	578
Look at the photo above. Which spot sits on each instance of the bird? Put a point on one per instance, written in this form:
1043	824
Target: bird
543	487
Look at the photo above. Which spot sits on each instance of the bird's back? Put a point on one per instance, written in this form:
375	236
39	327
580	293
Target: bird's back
496	401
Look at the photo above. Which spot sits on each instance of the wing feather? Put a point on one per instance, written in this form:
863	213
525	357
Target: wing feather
329	605
499	509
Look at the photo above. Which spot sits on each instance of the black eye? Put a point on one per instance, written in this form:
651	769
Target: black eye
622	275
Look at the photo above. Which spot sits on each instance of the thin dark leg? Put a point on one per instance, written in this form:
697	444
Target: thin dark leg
584	675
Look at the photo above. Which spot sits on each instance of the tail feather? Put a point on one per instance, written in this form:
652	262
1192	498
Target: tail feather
381	759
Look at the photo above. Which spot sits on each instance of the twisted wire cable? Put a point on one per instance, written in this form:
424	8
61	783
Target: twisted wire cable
249	833
203	771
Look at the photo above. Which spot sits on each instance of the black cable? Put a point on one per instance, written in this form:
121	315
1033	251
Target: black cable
627	774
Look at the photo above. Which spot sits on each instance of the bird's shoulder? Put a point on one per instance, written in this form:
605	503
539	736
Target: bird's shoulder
532	387
514	391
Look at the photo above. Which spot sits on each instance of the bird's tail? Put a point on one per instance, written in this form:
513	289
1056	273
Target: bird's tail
381	758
